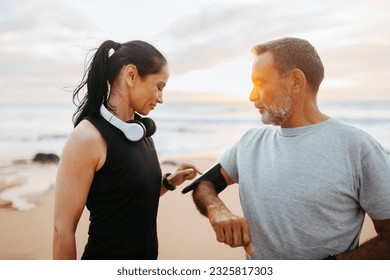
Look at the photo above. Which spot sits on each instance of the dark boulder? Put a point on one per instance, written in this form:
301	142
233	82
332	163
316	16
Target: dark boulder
46	158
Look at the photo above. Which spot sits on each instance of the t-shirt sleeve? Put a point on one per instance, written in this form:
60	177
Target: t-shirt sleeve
375	184
229	162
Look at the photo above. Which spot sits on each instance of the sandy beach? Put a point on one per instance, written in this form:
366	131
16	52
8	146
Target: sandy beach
183	233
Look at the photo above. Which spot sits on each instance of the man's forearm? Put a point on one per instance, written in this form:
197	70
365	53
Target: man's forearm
377	248
206	198
230	229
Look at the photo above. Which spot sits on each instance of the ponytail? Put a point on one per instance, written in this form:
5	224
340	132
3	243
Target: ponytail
105	65
96	79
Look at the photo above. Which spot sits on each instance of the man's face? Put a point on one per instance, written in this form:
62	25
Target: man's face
270	93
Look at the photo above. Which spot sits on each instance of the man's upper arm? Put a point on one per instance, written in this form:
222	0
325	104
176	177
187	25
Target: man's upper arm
225	175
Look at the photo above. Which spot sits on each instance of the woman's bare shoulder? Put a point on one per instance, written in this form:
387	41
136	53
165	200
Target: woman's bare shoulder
85	138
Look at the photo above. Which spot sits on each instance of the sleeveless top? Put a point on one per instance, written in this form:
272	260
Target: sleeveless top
123	198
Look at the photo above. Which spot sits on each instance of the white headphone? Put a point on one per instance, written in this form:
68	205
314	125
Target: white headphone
134	130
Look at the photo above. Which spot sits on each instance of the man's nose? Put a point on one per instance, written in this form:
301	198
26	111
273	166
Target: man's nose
254	94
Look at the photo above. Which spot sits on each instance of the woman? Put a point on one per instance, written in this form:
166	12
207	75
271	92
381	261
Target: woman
109	162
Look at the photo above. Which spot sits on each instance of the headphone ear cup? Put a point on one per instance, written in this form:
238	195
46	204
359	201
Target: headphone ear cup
135	130
150	126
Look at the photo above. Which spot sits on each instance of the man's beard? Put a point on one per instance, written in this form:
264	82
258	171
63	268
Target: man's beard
279	109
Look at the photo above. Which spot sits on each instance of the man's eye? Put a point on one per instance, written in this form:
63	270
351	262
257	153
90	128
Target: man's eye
260	84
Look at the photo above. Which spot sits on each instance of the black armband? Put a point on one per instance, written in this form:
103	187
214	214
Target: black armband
212	175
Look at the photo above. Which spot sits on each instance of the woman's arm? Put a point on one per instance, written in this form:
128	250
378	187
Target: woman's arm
185	171
83	154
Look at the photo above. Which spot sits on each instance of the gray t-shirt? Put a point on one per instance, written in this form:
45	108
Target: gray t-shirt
305	190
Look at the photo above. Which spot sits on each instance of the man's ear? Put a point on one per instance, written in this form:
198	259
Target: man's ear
298	80
131	73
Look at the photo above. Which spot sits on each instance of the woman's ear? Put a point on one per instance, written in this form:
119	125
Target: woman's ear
298	79
131	74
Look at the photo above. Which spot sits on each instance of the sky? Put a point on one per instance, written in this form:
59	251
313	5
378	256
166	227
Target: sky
44	43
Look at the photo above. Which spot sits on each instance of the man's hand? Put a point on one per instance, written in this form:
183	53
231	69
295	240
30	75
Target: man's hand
230	229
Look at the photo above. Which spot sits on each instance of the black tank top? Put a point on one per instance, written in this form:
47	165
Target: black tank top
123	198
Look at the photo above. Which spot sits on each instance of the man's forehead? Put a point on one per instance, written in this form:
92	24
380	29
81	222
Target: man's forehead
263	60
263	64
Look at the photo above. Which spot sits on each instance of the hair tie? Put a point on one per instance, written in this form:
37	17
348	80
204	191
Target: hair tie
110	52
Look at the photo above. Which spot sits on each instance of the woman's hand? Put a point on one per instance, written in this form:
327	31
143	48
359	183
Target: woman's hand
185	171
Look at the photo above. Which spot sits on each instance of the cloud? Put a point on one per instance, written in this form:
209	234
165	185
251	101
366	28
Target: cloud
216	34
20	15
198	37
41	28
352	37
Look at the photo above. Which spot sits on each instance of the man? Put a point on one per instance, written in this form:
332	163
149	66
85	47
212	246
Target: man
306	182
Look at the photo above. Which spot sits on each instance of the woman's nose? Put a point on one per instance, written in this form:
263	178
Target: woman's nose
160	98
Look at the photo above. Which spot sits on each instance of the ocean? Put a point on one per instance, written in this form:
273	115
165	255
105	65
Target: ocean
183	129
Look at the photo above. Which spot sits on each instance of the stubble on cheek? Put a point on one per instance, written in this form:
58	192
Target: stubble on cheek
278	110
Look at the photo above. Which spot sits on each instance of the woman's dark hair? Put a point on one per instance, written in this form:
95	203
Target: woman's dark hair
103	68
